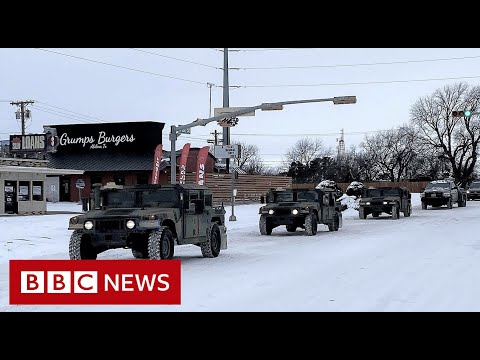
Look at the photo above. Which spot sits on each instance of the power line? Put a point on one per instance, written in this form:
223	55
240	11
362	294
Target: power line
271	49
122	67
173	58
62	115
310	134
358	64
73	112
359	83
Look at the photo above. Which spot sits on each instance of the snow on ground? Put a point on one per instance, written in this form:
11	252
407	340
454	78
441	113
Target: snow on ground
428	262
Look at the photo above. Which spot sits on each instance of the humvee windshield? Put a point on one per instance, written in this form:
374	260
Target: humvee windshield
444	185
307	196
383	192
276	197
119	199
160	197
374	192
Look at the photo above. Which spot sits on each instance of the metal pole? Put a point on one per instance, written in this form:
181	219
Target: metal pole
173	155
210	108
233	217
226	104
22	110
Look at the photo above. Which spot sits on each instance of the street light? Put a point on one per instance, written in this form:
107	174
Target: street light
176	130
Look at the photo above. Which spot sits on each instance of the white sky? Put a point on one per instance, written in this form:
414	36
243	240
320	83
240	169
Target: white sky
110	94
426	262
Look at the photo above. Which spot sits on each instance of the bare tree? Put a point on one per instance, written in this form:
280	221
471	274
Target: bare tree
392	152
457	139
305	150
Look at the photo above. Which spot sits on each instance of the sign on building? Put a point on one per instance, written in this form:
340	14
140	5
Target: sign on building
28	143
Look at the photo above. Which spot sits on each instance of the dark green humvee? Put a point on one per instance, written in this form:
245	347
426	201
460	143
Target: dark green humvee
389	200
150	220
296	208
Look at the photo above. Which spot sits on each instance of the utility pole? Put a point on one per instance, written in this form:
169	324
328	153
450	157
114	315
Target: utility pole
226	104
226	130
23	113
215	141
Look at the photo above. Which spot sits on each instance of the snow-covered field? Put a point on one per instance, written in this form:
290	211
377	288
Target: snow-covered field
428	262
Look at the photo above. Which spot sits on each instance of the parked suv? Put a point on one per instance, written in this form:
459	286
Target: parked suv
389	200
303	209
443	192
150	220
473	191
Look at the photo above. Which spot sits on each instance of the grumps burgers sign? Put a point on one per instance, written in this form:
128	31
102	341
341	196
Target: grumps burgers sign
142	136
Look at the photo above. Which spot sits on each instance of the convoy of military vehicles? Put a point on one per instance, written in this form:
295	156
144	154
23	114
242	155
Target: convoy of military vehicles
151	220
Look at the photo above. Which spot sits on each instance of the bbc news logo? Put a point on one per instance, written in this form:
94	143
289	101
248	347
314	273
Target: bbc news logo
114	282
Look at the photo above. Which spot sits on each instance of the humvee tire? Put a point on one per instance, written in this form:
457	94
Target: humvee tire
80	247
311	224
395	212
462	203
140	254
336	222
160	244
408	212
424	206
449	204
265	228
211	248
361	214
291	228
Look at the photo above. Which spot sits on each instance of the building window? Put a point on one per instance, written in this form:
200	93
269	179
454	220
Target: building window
37	190
24	191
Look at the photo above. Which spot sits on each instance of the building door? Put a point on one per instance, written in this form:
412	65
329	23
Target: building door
11	204
65	189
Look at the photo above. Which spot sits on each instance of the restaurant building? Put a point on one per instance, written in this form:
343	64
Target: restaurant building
121	152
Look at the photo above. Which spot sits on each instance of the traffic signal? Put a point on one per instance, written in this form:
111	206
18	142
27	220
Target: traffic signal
462	113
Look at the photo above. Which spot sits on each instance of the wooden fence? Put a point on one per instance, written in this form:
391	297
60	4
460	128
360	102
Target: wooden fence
413	186
249	187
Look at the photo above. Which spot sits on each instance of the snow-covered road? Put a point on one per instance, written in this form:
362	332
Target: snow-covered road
428	262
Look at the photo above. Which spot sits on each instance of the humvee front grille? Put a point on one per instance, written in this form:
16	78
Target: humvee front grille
108	225
282	212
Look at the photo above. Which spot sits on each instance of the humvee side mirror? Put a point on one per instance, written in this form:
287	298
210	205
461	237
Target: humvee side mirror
191	208
262	199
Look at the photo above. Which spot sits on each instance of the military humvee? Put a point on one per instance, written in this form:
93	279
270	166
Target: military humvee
150	220
389	200
297	208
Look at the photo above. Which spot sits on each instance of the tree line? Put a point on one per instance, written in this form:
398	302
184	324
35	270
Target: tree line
431	144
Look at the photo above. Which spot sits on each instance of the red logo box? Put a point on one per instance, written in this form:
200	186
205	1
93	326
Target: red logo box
93	282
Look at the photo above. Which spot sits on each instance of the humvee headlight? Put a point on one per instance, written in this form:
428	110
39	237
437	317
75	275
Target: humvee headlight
150	217
367	203
88	225
468	191
270	211
446	194
74	220
385	202
294	211
130	224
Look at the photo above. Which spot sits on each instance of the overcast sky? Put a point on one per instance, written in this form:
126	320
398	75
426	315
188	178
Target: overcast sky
170	86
